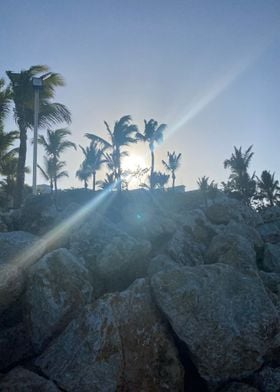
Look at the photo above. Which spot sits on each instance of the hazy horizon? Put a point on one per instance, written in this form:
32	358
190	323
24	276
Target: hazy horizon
210	70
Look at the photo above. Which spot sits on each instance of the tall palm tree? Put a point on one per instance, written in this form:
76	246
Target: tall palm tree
83	174
5	99
7	140
153	133
123	134
50	113
204	188
240	181
55	144
53	171
94	158
268	187
172	165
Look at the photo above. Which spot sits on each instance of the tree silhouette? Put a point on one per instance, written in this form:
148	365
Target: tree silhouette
94	158
268	188
172	165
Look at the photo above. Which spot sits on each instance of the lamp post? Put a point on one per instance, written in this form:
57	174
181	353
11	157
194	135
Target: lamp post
37	85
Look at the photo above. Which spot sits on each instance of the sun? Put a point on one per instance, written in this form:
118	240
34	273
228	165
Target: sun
133	162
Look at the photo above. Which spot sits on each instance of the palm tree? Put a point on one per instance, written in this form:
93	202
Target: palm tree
159	180
5	99
172	165
123	134
6	141
83	174
53	171
94	158
153	133
240	181
204	188
54	145
109	181
268	187
50	113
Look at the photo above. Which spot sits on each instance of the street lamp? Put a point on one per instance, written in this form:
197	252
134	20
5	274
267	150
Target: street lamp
37	85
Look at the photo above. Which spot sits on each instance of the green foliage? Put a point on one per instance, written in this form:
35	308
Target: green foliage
268	188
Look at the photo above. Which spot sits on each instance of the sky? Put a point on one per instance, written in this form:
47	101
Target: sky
209	69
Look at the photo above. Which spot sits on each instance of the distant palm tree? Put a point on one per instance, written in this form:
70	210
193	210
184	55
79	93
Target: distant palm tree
50	113
268	187
204	188
94	158
83	174
240	181
159	180
107	182
54	145
123	134
172	165
153	133
53	171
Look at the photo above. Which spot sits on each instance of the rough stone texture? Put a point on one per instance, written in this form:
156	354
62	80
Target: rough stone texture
268	379
57	289
234	250
20	248
119	343
12	283
238	387
223	213
23	380
249	233
114	258
270	232
270	214
271	259
225	318
185	250
161	263
15	346
271	281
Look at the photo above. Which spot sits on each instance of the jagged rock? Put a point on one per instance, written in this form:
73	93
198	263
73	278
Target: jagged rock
15	346
185	250
23	380
268	379
57	289
225	318
119	343
249	233
270	232
20	248
161	263
114	258
238	387
271	259
232	249
223	213
12	283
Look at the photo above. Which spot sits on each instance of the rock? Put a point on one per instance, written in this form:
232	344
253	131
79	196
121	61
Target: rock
270	232
271	259
20	248
114	258
23	380
224	212
161	263
57	289
238	387
249	233
185	250
12	283
268	379
270	214
224	317
119	343
234	250
15	346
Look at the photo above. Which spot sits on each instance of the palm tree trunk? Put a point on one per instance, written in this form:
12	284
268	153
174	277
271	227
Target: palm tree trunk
21	166
118	171
173	180
93	180
85	184
152	166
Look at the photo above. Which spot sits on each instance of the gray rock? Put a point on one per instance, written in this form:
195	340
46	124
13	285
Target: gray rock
57	289
270	232
161	263
232	249
238	387
12	283
268	379
15	346
225	318
270	214
249	233
271	259
119	343
23	380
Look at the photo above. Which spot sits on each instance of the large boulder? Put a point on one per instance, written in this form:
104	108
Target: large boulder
57	289
271	259
119	343
160	263
232	249
23	380
270	232
238	387
249	233
268	379
114	258
225	318
12	283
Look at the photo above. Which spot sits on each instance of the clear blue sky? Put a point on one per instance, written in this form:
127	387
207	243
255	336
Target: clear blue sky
209	69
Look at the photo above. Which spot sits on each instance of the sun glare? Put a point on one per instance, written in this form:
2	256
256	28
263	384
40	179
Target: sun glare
133	162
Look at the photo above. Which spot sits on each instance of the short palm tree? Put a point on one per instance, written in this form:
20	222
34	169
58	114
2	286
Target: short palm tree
94	158
123	134
54	145
159	180
109	181
153	133
83	174
268	187
204	188
172	165
53	171
50	113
